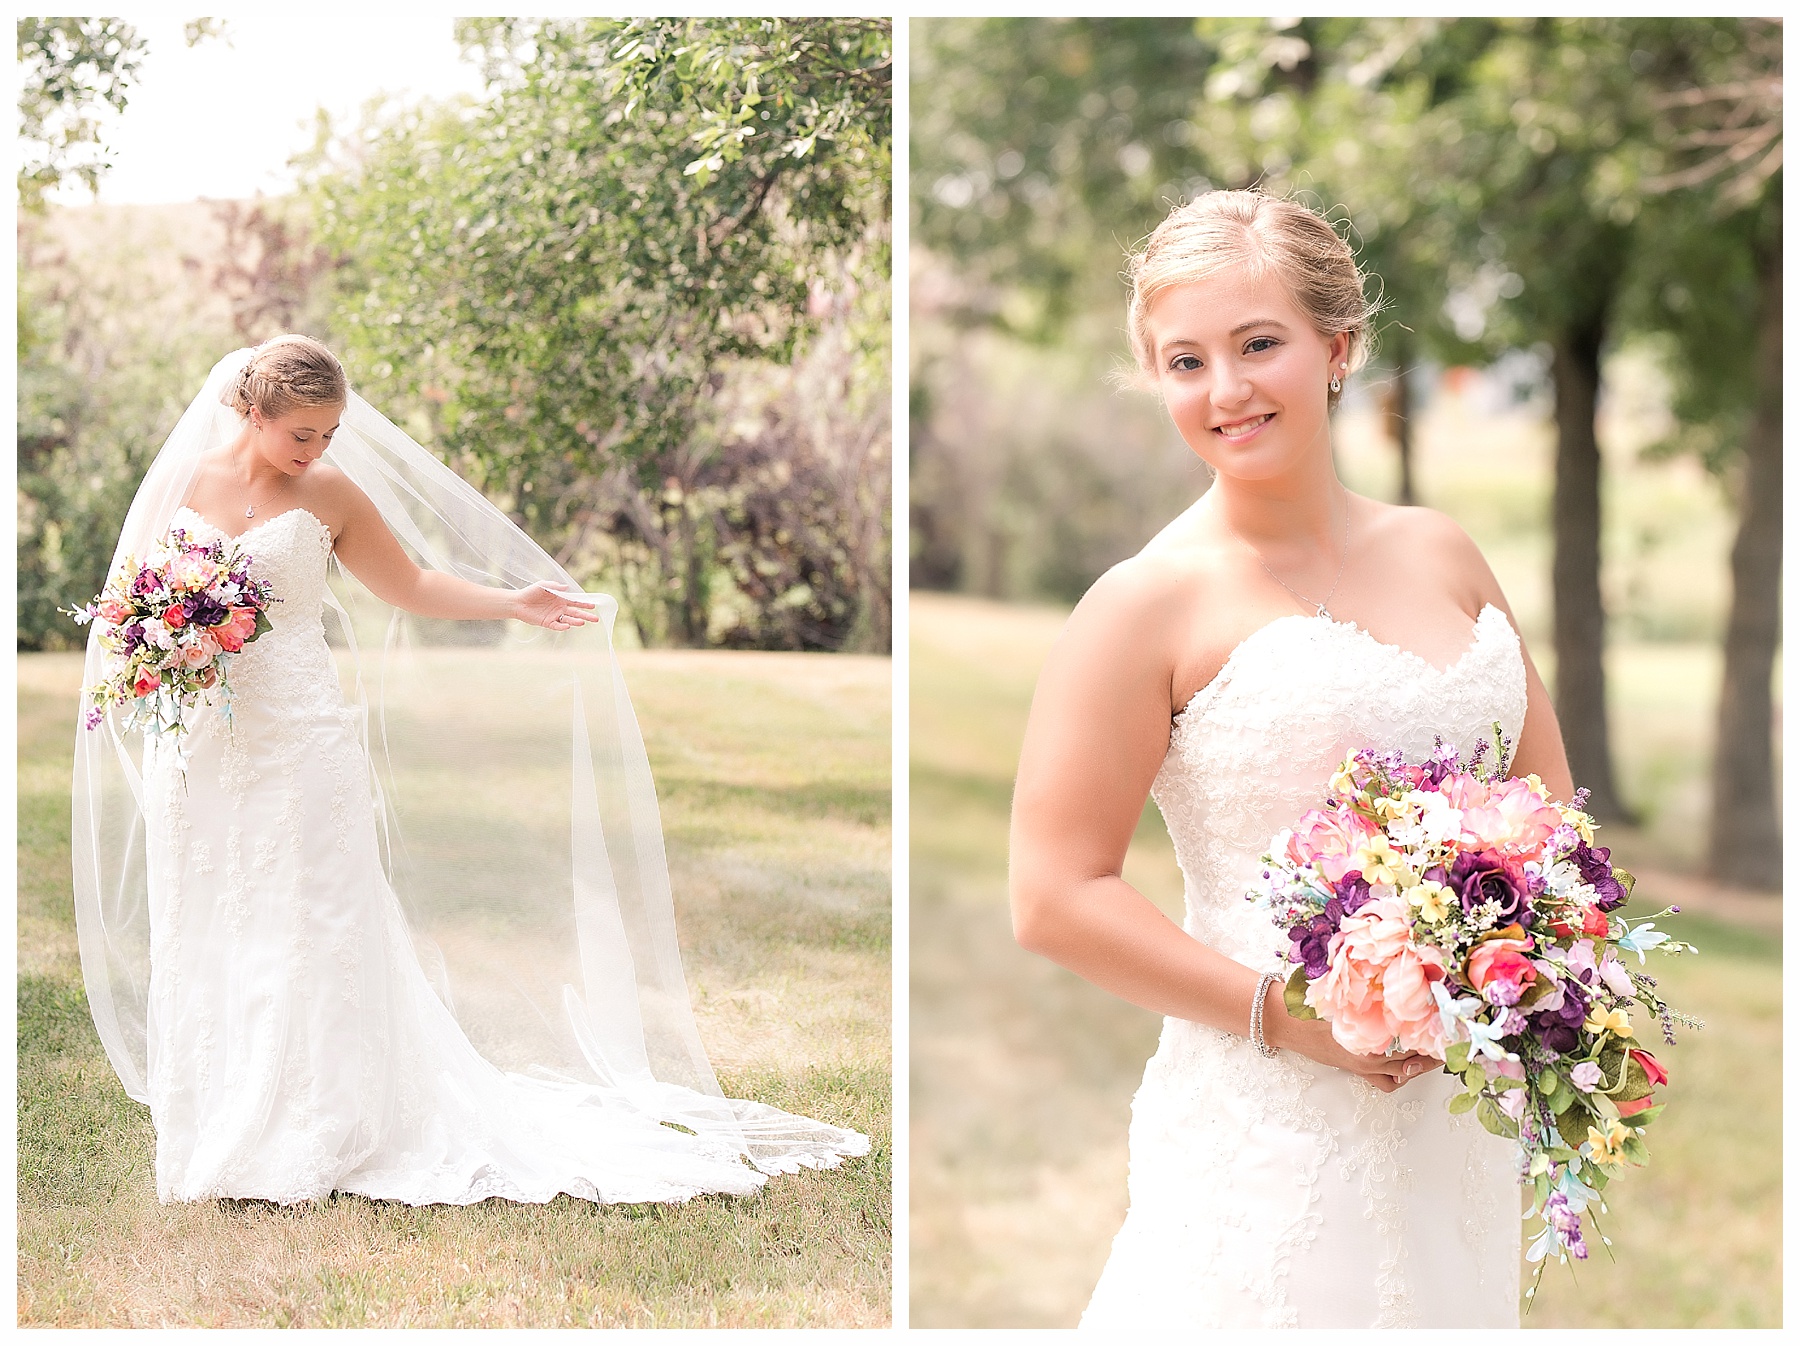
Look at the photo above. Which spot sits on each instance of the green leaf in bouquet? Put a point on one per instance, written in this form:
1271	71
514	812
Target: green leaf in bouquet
1635	1150
1456	1060
1604	1108
1473	1076
1463	1102
1555	1091
1647	1116
1572	1125
1636	1083
263	624
1626	879
1494	1120
1293	995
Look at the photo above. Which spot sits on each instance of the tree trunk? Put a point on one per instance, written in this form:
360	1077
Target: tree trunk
1397	411
1746	832
1575	572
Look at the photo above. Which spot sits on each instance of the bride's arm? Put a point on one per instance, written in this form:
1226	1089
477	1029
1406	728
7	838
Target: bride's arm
1098	731
370	552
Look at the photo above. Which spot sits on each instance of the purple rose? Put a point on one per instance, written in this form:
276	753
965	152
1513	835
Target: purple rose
1595	864
1312	939
1559	1028
1352	891
205	610
1483	878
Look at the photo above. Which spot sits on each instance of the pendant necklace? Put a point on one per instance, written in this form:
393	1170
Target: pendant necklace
1343	556
250	513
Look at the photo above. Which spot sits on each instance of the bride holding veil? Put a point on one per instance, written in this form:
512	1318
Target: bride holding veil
400	923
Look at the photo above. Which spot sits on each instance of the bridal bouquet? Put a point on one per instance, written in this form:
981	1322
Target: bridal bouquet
169	626
1445	908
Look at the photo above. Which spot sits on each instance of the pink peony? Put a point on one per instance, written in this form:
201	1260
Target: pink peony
114	612
1511	817
1378	985
1328	840
146	682
195	655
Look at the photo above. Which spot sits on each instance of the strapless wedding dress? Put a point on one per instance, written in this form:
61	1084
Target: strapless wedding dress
1278	1192
295	1046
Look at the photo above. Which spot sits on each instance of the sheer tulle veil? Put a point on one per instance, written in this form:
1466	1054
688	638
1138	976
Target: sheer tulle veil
520	825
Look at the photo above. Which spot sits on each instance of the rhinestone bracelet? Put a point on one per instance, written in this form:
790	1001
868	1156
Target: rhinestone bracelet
1256	1012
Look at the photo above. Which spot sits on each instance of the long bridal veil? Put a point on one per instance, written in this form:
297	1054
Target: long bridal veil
520	828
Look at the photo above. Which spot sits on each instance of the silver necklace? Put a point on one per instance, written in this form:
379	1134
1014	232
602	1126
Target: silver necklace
250	513
1343	556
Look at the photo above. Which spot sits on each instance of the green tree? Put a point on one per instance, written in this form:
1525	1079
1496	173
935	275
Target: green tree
563	273
1709	279
70	69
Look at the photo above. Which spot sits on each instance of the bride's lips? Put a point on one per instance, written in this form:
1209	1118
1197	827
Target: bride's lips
1237	432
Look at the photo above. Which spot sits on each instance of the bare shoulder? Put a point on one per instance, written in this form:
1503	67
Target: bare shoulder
329	493
1147	594
1429	537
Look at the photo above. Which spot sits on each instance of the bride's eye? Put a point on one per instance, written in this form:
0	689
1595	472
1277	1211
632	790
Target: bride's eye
1185	364
1256	345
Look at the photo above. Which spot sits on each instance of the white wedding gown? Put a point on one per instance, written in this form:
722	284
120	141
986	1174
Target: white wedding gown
295	1047
1278	1192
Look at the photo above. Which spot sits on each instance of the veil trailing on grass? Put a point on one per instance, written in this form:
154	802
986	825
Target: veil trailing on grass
519	824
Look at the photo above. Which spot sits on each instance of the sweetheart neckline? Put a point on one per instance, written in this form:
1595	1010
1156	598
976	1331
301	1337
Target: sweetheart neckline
1218	679
238	537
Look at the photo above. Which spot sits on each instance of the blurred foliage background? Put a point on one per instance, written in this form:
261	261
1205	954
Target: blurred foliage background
1576	227
638	294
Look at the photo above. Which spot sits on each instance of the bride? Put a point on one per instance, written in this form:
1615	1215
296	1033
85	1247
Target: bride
399	923
1276	625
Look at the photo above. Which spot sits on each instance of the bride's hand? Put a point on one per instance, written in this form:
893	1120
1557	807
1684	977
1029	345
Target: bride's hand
1312	1039
542	605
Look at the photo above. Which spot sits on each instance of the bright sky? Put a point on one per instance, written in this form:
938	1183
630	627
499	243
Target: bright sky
221	119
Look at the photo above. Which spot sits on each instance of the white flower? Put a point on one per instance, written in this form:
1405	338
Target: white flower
1440	821
1617	979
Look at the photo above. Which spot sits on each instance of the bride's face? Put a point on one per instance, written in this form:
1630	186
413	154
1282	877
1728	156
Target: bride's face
1244	373
294	442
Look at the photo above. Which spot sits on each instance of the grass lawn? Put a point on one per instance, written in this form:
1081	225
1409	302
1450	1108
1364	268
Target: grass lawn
773	775
1022	1074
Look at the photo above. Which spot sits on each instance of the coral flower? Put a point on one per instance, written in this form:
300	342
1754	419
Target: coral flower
145	683
1500	971
1378	986
176	617
235	630
114	612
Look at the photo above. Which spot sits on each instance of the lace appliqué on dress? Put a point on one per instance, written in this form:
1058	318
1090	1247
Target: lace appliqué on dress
1277	1192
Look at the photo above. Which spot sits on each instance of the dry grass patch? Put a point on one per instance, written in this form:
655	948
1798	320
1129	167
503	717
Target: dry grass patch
773	771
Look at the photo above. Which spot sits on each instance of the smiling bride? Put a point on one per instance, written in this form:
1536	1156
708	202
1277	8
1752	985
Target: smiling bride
1278	624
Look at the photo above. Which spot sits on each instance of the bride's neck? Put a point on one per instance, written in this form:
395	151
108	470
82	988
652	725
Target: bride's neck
1306	509
247	468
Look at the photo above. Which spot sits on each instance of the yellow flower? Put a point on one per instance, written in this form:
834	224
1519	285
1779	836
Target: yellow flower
1608	1146
1378	861
1433	900
1616	1022
1341	781
1583	825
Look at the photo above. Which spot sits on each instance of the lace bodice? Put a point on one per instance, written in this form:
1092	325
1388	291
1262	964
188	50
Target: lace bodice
1256	747
1271	1192
290	663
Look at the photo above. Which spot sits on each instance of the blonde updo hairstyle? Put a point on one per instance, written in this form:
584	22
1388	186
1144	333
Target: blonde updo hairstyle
1223	230
286	372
